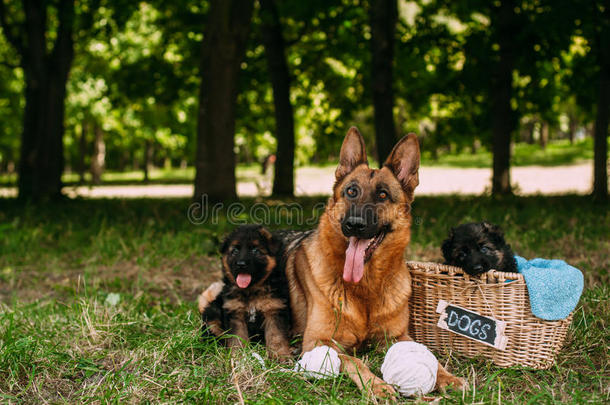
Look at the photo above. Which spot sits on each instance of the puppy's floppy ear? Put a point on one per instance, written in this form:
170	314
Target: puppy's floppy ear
273	244
352	153
447	246
404	163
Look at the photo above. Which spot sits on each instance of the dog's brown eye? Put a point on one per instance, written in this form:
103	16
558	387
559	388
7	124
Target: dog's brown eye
235	250
255	251
351	192
382	195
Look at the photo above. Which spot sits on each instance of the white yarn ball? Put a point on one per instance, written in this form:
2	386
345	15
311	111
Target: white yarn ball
321	362
411	367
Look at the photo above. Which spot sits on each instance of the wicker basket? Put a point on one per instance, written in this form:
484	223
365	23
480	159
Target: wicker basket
532	342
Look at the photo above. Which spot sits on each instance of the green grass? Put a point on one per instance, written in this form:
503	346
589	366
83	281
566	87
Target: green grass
156	176
159	176
97	304
557	153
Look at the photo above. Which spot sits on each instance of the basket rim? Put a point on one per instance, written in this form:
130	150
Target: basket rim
458	270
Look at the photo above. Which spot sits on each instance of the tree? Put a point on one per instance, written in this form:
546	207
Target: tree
98	160
45	72
502	116
11	104
383	15
601	43
223	48
589	81
506	67
275	50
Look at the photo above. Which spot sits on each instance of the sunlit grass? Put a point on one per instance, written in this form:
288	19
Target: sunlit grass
556	153
157	175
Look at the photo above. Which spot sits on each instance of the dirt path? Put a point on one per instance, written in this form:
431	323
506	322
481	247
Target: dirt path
432	181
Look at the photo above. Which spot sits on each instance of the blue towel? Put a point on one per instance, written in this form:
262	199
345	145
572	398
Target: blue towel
554	287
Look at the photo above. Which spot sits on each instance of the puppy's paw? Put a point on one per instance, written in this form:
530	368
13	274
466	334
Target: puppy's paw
282	355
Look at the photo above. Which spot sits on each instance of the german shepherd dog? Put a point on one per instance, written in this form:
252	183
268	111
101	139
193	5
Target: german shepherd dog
349	283
478	247
252	300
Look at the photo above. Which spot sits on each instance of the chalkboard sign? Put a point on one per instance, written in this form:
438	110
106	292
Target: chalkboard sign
474	326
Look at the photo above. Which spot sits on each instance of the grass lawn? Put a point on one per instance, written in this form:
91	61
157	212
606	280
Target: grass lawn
557	153
97	304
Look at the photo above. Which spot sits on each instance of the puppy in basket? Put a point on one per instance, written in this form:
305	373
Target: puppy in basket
477	248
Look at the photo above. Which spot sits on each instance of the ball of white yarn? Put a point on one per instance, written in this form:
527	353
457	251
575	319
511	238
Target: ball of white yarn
411	367
321	362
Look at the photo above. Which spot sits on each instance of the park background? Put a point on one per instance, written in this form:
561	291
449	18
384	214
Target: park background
162	105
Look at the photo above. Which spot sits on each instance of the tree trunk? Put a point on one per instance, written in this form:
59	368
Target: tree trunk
45	74
223	48
600	165
531	130
122	160
82	152
502	119
544	135
476	145
148	154
283	180
572	128
383	15
98	160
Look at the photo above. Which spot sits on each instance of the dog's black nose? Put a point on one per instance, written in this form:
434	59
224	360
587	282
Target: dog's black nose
478	268
354	225
241	264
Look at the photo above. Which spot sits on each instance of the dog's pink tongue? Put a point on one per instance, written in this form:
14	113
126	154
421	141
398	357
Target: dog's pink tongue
353	269
243	280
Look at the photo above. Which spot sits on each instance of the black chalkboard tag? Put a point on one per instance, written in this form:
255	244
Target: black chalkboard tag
474	326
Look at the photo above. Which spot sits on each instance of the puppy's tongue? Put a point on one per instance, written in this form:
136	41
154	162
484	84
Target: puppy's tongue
353	269
243	280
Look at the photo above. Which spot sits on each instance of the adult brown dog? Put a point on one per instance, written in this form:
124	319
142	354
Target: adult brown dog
348	280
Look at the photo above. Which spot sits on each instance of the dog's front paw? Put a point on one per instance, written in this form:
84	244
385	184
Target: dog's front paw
382	389
451	381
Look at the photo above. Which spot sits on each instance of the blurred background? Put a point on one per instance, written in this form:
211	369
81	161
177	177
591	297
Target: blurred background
120	98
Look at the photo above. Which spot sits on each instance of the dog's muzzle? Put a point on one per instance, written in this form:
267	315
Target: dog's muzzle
360	222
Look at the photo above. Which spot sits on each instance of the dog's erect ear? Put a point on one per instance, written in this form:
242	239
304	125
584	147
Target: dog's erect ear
273	244
352	153
225	245
491	228
494	232
404	162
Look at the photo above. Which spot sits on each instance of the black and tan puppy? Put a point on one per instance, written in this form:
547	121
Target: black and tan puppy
252	300
478	247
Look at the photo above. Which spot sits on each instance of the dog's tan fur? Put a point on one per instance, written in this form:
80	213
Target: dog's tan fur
329	311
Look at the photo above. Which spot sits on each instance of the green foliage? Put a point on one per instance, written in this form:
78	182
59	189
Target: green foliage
136	66
11	105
